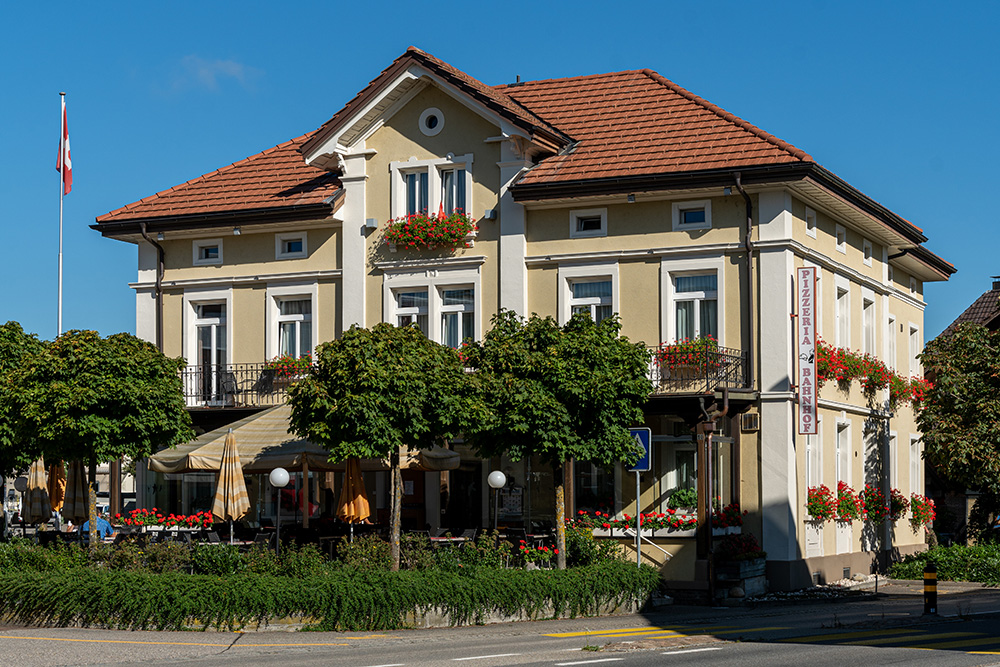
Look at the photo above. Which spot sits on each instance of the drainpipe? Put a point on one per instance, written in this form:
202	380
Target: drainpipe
748	244
158	291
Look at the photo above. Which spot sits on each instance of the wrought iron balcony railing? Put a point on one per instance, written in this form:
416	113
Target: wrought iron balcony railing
234	385
710	368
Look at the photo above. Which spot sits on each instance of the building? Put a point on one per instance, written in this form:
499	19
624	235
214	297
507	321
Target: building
614	193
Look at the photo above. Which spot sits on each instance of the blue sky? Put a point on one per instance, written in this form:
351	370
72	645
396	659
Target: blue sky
901	100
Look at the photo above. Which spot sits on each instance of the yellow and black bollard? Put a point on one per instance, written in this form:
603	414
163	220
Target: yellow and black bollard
930	589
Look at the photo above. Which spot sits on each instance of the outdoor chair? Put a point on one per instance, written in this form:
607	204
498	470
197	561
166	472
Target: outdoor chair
265	540
213	537
441	532
469	534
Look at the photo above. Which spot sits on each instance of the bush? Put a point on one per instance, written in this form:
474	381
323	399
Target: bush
582	549
369	552
217	559
683	498
350	600
979	563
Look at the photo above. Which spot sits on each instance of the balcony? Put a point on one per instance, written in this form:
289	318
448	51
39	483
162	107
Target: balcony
715	368
234	386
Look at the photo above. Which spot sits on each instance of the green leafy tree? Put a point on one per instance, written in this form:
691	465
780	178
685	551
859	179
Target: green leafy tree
559	393
84	397
373	391
960	412
16	349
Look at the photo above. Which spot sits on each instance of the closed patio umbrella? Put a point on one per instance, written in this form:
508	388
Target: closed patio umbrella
57	486
353	504
37	509
76	503
231	499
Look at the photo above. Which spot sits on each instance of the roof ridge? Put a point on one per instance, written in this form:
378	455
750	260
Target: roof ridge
581	77
179	186
730	117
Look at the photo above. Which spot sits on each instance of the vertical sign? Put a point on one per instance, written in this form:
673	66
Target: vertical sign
805	297
643	439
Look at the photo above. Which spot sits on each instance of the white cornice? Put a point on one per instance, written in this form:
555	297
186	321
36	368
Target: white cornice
430	263
608	255
241	280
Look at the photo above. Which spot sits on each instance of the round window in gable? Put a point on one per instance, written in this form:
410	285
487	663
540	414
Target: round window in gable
431	121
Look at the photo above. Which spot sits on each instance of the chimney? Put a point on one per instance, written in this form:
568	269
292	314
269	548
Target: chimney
996	282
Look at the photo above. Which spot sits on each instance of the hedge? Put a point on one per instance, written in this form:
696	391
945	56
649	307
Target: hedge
958	562
346	600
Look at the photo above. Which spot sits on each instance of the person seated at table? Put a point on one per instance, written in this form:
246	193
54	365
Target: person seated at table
104	529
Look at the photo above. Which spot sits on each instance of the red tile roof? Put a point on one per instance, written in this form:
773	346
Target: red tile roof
636	123
273	179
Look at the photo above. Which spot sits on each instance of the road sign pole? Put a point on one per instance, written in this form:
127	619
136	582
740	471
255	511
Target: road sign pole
638	524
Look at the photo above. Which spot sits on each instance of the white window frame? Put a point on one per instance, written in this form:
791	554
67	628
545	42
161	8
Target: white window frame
272	314
576	215
893	456
843	472
433	280
679	206
189	315
671	267
915	464
196	247
866	252
279	245
445	309
841	238
568	274
842	312
810	222
914	345
869	313
890	342
433	168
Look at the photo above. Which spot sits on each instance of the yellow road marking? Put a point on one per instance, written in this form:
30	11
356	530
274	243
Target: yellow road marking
132	641
622	631
743	630
912	638
833	636
961	643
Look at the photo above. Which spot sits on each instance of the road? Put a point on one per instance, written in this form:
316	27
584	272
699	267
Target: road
886	630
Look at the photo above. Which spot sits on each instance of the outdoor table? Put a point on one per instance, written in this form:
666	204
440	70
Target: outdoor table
437	541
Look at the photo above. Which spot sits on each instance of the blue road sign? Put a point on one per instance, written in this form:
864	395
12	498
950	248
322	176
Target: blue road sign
643	438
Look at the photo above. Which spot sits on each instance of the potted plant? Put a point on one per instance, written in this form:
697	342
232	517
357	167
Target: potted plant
849	506
921	511
898	504
739	557
424	231
820	503
686	499
876	509
287	368
688	359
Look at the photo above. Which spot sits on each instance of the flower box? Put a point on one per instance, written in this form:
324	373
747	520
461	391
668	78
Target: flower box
734	570
430	232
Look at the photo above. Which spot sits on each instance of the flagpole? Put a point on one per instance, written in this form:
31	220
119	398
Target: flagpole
62	190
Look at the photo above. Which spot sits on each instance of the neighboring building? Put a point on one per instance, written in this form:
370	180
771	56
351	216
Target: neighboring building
613	193
984	311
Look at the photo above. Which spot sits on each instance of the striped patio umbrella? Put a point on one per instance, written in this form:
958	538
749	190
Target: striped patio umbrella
353	504
57	486
231	499
37	508
76	504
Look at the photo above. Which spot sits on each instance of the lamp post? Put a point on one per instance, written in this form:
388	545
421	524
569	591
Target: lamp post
496	481
278	479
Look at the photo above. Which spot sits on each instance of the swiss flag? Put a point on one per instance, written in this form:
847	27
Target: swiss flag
67	173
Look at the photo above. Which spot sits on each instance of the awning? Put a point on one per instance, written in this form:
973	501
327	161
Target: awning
266	444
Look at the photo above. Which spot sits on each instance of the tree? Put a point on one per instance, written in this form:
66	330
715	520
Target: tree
960	411
16	349
96	399
559	393
373	391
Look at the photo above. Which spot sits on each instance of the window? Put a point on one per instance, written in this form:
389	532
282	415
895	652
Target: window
588	222
458	315
890	352
844	452
893	461
411	308
290	246
416	192
696	306
427	186
814	458
692	215
843	314
841	239
866	249
295	327
810	222
431	121
593	297
868	322
211	359
207	252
